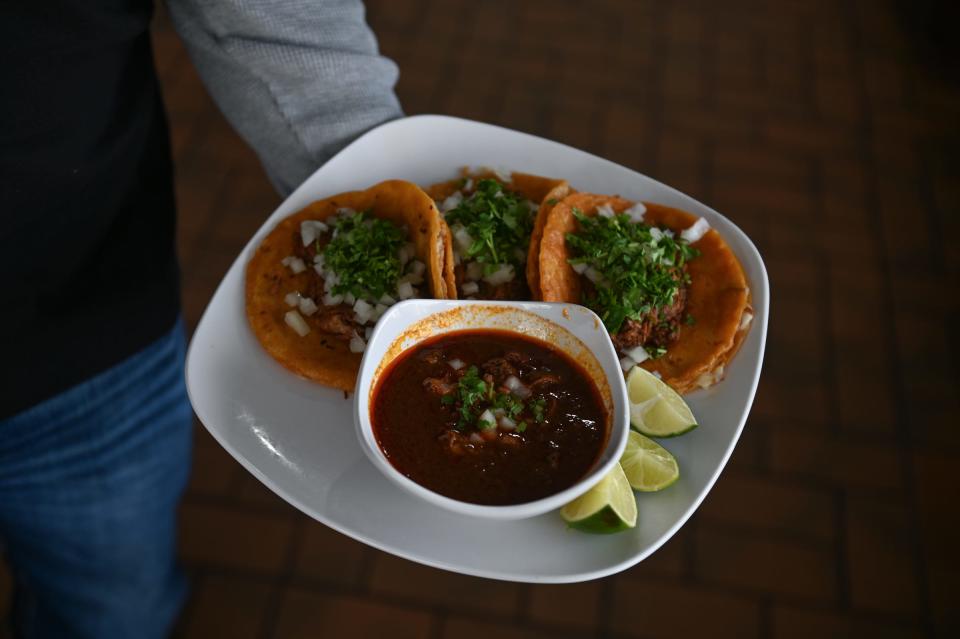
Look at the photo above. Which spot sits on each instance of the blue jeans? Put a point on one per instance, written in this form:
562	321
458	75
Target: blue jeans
89	485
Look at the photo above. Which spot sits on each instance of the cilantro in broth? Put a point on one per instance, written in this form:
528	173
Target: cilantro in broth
640	268
365	256
473	395
498	221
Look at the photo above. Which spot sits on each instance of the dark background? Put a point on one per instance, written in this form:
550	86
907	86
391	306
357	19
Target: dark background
828	131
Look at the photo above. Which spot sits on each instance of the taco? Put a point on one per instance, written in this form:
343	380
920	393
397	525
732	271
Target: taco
496	220
323	276
669	290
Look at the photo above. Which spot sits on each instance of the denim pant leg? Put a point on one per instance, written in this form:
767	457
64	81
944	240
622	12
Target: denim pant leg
89	486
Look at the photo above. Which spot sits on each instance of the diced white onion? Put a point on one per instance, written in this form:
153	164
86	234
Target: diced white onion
307	306
357	345
297	323
470	288
319	269
504	273
473	271
487	416
329	299
710	378
416	267
468	185
580	267
412	278
344	211
295	264
668	232
475	438
310	230
638	354
387	299
292	299
318	259
695	232
379	310
745	320
362	311
407	251
506	423
348	298
626	363
516	387
657	375
456	364
605	210
367	332
462	238
656	233
533	206
332	279
452	202
636	212
503	174
405	290
593	274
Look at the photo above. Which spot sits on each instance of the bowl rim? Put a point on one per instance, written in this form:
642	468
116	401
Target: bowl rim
619	420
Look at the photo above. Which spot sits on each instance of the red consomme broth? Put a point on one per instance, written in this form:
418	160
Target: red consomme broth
489	417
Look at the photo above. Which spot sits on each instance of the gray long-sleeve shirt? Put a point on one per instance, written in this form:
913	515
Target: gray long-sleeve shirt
298	79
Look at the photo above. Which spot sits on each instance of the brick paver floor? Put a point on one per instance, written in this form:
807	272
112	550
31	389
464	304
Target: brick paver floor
828	132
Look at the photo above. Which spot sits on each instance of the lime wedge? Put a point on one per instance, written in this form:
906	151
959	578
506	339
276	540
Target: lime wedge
608	507
656	410
648	465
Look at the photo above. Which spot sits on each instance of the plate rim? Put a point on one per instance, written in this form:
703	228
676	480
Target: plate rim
763	285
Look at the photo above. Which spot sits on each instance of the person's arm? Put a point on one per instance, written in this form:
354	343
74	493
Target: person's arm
298	79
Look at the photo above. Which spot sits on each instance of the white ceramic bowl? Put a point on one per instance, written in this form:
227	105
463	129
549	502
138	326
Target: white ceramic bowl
573	329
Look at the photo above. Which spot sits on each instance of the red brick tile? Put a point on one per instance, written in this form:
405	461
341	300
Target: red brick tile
670	560
394	576
850	462
624	125
467	628
759	502
758	163
883	576
213	469
805	136
797	623
935	473
233	537
567	606
227	607
765	564
307	615
248	490
327	555
663	609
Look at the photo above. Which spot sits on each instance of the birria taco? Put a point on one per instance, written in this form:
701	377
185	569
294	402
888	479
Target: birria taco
323	276
496	220
668	289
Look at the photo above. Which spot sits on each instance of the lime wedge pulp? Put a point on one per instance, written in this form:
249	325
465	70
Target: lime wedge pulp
608	507
656	410
648	465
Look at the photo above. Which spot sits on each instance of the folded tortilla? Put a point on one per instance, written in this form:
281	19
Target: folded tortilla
546	192
718	296
318	355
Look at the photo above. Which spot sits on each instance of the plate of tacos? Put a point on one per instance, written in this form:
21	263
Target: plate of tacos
434	207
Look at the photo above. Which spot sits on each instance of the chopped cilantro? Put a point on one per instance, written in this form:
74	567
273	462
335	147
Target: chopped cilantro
365	256
538	406
552	201
499	222
473	395
639	269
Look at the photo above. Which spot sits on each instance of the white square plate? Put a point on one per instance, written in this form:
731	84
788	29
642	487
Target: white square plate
298	437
